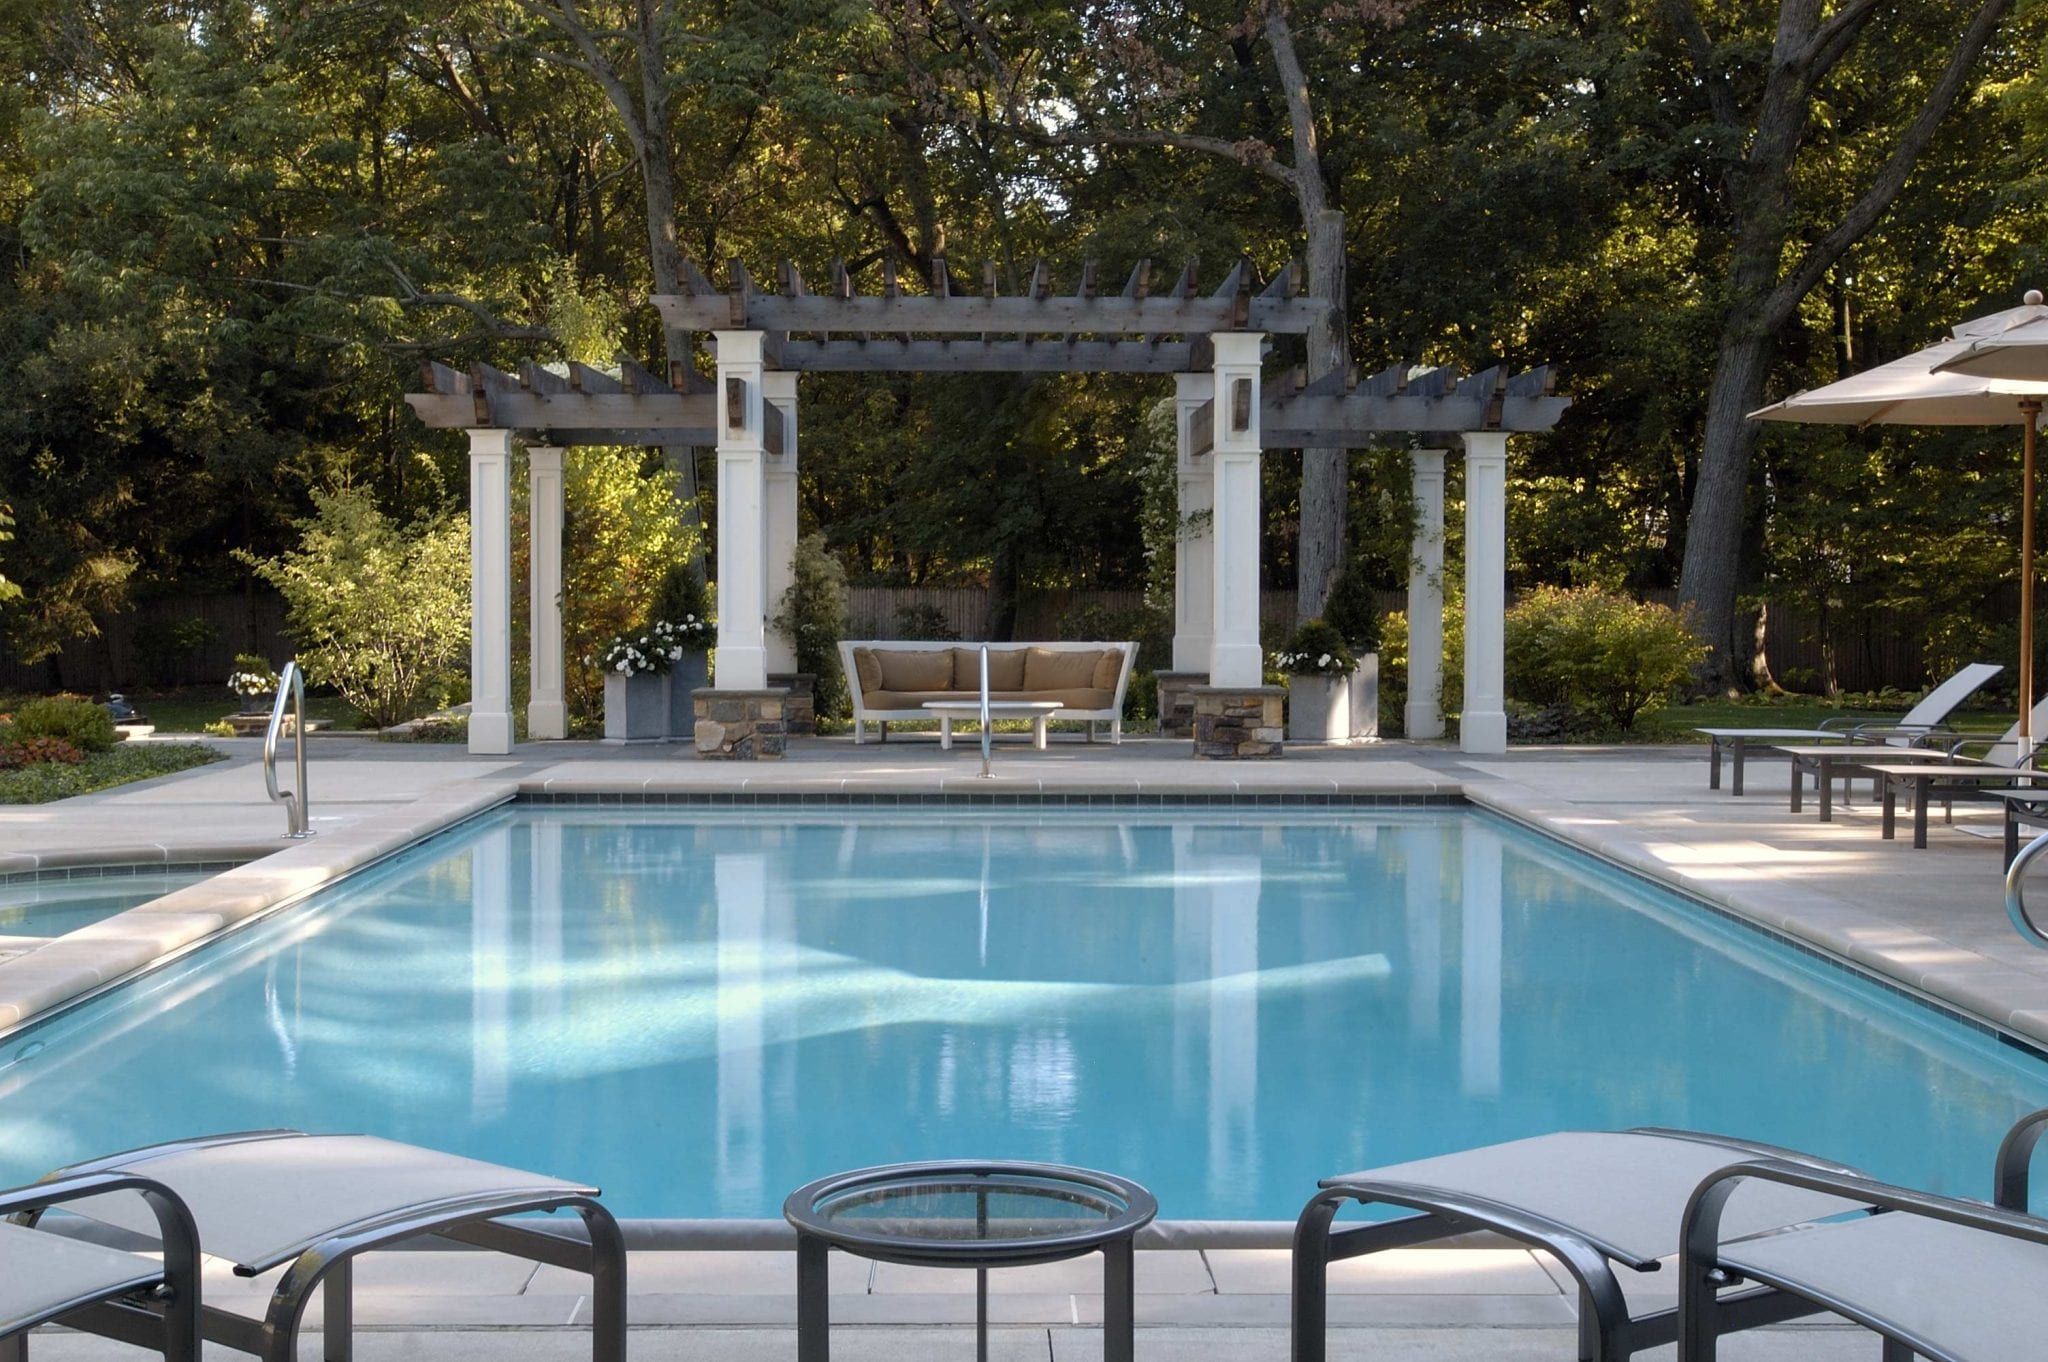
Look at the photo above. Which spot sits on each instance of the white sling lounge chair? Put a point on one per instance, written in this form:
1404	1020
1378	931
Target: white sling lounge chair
1924	718
1935	1277
270	1198
55	1279
1596	1201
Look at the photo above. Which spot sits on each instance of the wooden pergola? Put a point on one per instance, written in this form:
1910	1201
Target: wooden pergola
1213	342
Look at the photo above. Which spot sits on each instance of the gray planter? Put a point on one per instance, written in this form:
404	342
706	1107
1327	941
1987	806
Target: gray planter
1318	708
1365	699
635	707
691	672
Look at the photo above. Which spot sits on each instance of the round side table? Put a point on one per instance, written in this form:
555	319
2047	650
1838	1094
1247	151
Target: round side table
968	1215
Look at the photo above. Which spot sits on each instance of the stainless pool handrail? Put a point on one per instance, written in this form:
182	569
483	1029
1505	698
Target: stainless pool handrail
2015	895
291	684
987	738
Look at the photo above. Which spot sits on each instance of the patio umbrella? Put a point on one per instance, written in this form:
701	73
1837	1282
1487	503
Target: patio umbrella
1923	389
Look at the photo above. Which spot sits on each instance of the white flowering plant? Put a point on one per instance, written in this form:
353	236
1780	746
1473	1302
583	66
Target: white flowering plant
690	631
252	676
1316	649
636	654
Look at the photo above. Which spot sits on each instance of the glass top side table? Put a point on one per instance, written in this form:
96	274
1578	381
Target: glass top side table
975	1215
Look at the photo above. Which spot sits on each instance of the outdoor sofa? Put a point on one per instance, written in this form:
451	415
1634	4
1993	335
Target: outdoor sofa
264	1200
1928	717
891	681
1947	1279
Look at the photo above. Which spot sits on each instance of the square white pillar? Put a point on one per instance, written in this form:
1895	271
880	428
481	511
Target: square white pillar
778	389
1424	716
1484	725
547	716
1194	540
742	494
490	592
1235	658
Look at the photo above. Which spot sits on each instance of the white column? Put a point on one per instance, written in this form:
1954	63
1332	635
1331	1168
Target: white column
1479	967
1484	727
1194	542
778	389
490	592
742	564
546	714
1235	658
1424	717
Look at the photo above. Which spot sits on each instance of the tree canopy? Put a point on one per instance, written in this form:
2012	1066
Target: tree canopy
230	232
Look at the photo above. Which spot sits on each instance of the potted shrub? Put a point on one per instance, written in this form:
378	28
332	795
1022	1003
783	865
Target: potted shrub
1353	610
635	688
681	629
1318	667
253	681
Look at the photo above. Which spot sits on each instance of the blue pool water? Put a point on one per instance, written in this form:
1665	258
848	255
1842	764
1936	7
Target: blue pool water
54	904
702	1010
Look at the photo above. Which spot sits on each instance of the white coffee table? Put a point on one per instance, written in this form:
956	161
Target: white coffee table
969	711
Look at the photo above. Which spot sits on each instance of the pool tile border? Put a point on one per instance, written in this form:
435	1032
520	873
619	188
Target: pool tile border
967	799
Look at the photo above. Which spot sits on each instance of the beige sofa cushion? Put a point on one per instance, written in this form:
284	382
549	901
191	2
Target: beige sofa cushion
967	669
868	668
1005	670
1107	668
1047	669
926	669
1080	698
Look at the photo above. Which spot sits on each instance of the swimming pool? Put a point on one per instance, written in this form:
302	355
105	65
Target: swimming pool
702	1009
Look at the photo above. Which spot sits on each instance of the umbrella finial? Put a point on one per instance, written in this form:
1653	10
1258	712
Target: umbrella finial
2034	298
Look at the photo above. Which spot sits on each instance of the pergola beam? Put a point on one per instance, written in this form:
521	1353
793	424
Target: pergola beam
973	356
585	406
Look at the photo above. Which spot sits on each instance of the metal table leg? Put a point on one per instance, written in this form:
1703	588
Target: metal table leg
1119	1339
1735	776
1827	790
813	1304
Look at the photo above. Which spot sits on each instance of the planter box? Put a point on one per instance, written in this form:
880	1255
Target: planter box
692	672
1365	699
1318	709
635	707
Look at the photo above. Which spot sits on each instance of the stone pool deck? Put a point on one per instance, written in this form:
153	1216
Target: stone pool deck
1931	921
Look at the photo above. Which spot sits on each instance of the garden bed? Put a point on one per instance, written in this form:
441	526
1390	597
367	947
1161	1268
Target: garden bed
120	765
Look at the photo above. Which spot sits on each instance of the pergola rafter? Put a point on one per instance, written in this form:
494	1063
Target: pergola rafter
581	406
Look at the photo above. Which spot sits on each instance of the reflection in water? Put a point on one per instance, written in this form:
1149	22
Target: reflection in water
700	1012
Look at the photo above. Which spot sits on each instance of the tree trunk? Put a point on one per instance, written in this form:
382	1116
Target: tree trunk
1710	578
1325	473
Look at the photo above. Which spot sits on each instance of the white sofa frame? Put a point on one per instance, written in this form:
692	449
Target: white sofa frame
1113	715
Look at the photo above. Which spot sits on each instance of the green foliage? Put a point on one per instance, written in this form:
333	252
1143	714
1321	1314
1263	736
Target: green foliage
218	728
161	646
681	597
1141	624
132	761
83	724
1597	652
923	621
1394	664
380	610
1353	608
812	613
1316	648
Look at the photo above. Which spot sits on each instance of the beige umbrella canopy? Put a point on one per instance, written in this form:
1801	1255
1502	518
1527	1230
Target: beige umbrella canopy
1925	389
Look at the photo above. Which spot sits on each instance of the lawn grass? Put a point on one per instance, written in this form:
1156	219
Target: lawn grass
1675	724
121	764
192	709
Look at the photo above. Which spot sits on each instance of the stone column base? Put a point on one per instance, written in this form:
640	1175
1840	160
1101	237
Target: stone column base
1238	723
1177	702
801	712
740	725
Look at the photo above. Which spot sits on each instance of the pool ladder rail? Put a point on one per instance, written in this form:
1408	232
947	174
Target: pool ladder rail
291	685
2015	895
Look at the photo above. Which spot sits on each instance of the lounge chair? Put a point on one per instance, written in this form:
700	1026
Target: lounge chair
1930	715
268	1198
1595	1201
1830	763
55	1279
1936	1277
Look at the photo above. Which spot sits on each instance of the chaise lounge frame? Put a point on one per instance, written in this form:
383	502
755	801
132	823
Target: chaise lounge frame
324	1261
157	1305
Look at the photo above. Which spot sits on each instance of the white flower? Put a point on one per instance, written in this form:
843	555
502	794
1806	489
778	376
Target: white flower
623	667
1323	661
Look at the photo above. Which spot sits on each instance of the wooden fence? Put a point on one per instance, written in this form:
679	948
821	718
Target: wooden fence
1872	649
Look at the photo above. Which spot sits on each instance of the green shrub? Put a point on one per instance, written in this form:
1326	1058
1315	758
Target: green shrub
1394	665
219	728
1097	622
380	611
1598	652
1353	608
812	614
86	726
1316	649
924	622
680	598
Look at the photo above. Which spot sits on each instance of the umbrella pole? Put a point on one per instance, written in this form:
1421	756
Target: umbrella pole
2030	411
